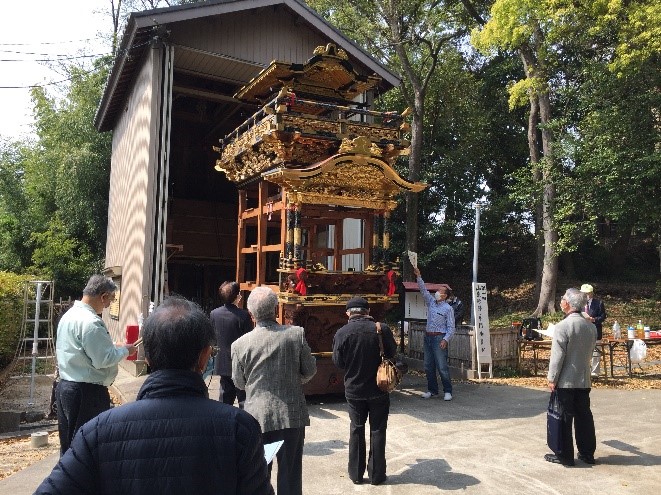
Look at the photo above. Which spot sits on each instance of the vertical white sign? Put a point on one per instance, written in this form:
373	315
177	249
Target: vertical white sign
482	336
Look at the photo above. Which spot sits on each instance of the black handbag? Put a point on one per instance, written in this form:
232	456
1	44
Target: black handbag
554	424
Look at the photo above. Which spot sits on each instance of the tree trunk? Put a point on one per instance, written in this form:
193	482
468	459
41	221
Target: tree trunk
549	284
533	147
414	176
542	102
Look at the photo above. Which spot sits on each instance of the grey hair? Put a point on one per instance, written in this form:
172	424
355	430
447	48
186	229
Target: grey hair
98	284
575	298
261	304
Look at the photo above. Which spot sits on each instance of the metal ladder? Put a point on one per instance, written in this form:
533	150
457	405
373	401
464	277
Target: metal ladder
35	354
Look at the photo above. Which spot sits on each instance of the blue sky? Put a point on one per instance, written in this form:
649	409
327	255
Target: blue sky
34	30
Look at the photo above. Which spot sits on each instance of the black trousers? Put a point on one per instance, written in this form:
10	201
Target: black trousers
290	459
229	392
77	403
575	403
359	411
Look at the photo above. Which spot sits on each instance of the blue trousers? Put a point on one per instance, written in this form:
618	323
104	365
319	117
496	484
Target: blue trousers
436	359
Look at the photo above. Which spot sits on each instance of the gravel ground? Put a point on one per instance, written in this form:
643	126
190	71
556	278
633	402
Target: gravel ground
16	453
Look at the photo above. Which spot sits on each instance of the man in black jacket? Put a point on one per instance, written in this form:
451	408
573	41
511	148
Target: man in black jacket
356	351
595	312
230	322
173	439
457	307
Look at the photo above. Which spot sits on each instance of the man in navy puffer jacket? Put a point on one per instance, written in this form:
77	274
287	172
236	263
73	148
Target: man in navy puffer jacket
173	439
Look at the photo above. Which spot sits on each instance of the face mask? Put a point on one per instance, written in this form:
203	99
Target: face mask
438	295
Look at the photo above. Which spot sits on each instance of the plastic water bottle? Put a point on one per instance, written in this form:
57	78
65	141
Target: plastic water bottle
617	332
640	330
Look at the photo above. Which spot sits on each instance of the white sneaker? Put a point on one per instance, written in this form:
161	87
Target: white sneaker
427	395
447	396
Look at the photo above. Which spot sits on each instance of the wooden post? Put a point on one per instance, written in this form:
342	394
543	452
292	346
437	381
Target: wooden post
289	243
298	235
241	238
262	224
283	229
339	234
385	251
368	232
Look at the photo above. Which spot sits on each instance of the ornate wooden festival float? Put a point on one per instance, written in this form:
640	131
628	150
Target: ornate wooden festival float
314	170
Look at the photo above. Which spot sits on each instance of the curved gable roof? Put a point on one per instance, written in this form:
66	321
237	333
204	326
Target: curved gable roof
140	29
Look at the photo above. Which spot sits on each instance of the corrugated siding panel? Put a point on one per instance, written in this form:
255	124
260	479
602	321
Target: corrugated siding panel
129	226
255	36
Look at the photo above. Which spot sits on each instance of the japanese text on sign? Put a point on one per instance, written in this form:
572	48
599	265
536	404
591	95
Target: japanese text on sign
482	336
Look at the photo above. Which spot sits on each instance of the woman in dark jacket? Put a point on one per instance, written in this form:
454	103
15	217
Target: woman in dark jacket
173	439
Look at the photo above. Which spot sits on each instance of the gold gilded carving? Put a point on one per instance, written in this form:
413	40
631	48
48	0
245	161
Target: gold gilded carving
332	50
377	133
360	145
341	175
375	150
247	139
326	73
309	125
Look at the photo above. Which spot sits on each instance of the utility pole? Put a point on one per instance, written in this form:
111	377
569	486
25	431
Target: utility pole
476	249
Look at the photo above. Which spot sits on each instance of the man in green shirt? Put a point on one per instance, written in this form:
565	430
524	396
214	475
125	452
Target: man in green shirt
87	359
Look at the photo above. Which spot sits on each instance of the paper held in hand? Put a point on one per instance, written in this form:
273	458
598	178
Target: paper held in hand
270	449
413	258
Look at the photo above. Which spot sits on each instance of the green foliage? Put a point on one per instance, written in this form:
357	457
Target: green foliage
14	217
63	258
54	191
599	60
11	309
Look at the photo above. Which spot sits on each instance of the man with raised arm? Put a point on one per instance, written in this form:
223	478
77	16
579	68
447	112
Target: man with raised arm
439	331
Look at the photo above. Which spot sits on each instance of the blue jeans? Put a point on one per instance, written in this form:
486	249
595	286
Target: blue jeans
436	359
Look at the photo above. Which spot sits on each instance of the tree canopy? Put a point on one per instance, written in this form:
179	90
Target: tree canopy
546	112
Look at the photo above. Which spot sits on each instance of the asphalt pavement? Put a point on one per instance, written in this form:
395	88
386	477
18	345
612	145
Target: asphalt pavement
489	439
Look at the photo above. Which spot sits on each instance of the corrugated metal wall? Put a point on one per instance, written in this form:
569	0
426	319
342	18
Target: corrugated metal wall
256	36
130	215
